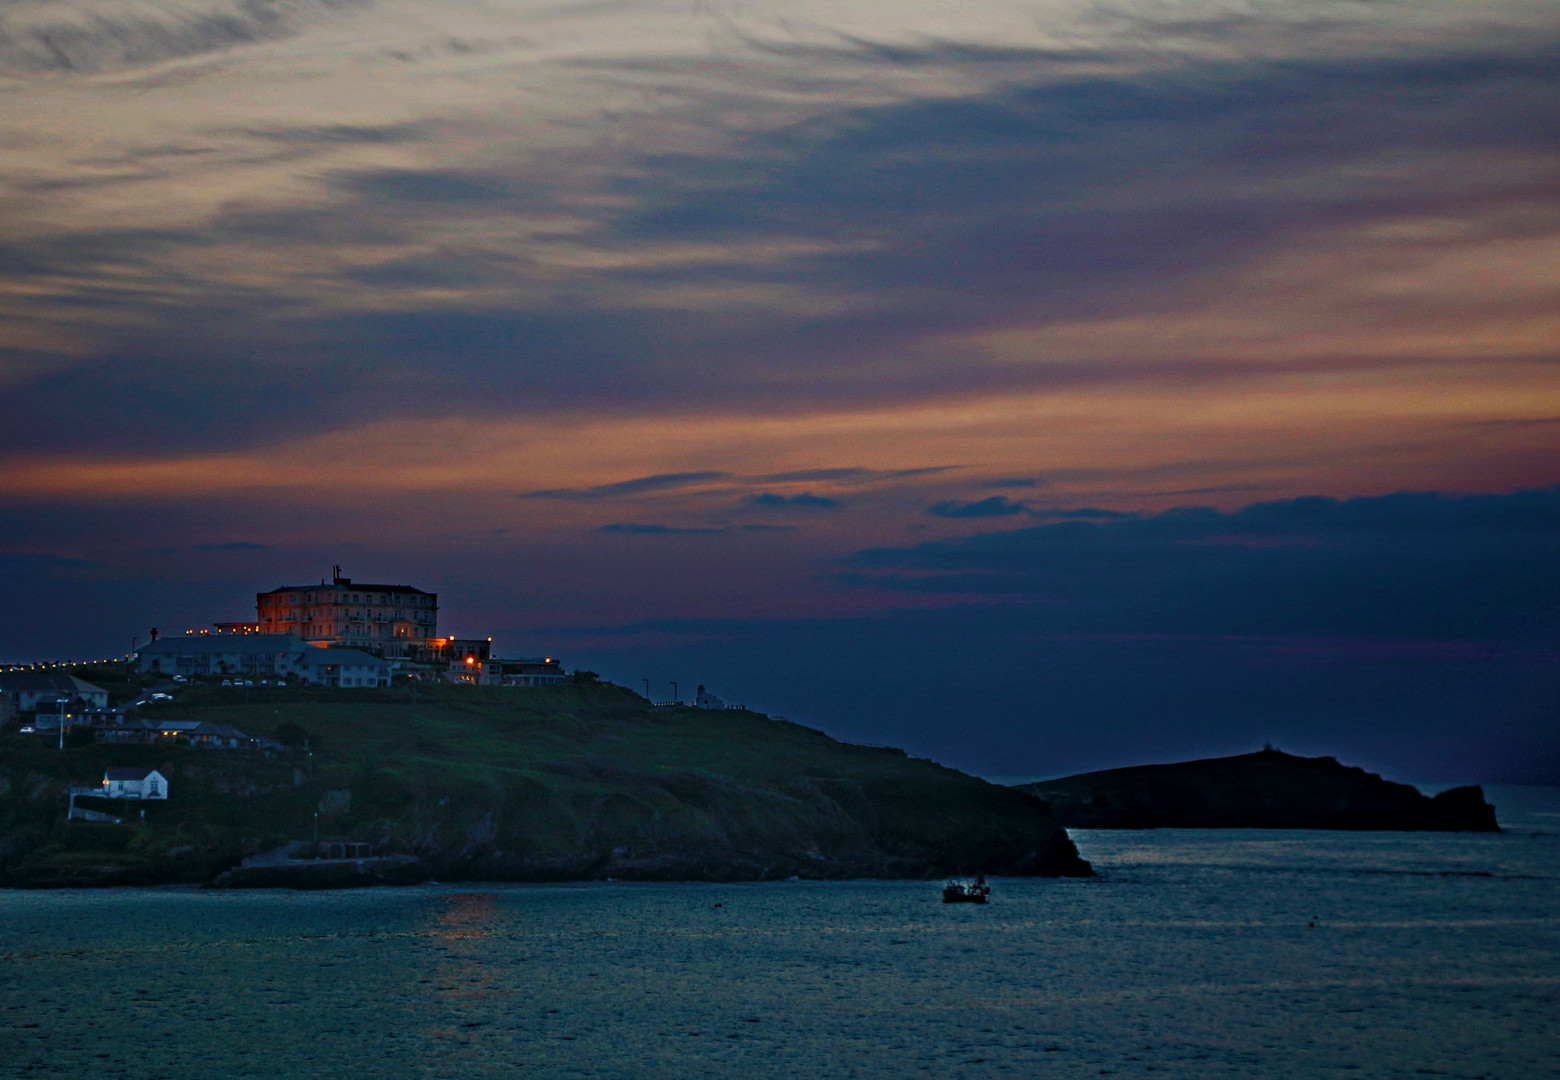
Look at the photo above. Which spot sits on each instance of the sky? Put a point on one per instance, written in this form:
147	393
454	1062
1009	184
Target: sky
1035	386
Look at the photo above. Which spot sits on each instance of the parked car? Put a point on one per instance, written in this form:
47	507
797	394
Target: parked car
227	682
162	697
180	678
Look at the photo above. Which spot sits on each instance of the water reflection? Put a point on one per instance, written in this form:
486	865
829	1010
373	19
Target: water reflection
465	984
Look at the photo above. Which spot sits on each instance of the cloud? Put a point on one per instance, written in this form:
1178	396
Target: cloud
436	187
1410	565
637	486
769	500
636	529
682	481
83	36
851	474
1016	482
832	251
1089	512
995	506
235	545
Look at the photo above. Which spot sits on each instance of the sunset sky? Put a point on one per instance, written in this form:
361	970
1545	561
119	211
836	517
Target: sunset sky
1037	386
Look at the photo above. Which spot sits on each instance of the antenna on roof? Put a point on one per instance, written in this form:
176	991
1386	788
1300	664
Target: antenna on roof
335	574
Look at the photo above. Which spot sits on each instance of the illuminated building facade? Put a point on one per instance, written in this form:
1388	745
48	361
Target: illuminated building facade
391	620
487	671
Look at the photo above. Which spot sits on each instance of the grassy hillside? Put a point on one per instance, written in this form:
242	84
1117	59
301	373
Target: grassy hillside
521	784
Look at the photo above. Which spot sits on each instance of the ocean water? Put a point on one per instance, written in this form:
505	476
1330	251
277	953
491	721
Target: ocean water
1195	954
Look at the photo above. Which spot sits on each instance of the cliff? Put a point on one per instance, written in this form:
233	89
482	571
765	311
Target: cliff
469	783
1265	790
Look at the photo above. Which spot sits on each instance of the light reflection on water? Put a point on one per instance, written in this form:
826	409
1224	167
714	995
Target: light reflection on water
1196	954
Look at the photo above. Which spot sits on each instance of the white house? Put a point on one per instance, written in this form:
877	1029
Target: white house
222	654
134	783
31	690
341	667
277	655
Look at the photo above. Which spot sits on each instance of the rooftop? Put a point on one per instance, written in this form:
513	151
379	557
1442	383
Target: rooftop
226	643
348	583
128	772
350	657
43	682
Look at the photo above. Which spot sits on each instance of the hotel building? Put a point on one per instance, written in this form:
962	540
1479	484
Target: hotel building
392	620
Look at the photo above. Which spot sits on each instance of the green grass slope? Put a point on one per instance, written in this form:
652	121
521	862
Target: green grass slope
520	784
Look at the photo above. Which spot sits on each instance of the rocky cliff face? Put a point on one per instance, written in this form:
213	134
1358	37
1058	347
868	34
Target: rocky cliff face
1265	790
524	785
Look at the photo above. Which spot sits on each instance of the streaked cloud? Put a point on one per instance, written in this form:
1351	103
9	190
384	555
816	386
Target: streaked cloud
636	486
994	506
805	500
638	529
1408	565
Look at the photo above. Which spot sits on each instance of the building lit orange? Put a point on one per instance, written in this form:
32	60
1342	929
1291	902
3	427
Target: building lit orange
392	620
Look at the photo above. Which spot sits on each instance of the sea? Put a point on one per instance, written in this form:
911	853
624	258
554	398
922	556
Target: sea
1194	953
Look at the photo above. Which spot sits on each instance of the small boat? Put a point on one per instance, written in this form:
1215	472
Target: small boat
966	892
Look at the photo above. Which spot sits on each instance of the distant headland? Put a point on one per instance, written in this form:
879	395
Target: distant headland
1268	789
456	782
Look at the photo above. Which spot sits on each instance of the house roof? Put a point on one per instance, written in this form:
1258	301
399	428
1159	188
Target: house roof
318	657
128	772
43	682
225	643
197	727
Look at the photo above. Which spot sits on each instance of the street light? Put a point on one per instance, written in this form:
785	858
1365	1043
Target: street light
62	702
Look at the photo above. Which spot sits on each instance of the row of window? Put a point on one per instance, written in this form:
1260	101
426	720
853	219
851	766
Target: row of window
412	600
360	616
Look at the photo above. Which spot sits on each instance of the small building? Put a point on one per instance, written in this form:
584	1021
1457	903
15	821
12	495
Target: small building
272	655
33	690
144	731
491	671
133	782
201	733
703	699
342	667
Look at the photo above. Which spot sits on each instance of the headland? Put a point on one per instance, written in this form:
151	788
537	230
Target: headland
584	781
1268	789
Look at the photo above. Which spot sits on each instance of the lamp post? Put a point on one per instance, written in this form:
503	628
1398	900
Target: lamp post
647	689
675	700
62	702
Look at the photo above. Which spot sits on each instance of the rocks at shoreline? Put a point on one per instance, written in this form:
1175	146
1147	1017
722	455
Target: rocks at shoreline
1264	790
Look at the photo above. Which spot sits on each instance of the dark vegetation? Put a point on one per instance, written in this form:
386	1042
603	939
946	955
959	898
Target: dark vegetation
1265	790
576	782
